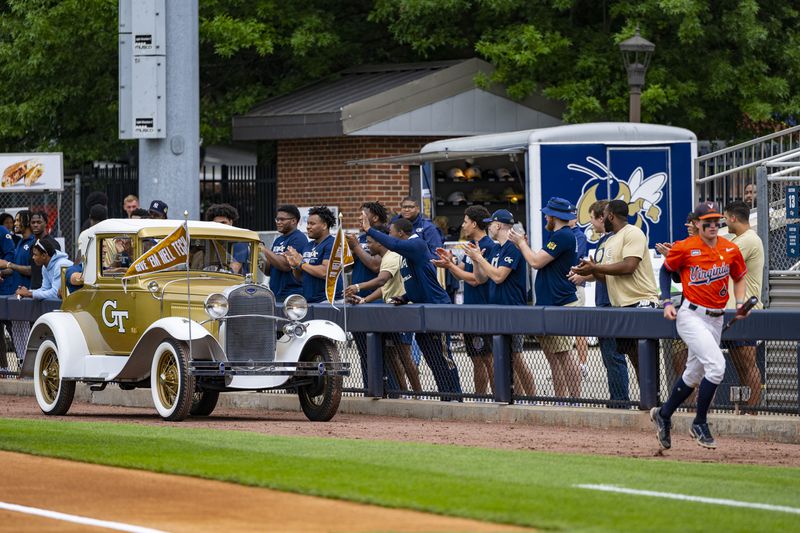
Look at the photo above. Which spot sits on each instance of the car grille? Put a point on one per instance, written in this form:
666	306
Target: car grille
250	337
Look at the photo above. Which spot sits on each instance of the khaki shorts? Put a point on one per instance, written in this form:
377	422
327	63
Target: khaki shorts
557	344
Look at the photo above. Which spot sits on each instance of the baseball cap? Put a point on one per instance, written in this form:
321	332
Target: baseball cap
456	197
501	215
159	207
706	210
472	173
560	208
455	173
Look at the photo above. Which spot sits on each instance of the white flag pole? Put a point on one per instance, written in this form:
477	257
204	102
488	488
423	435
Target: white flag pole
188	286
341	273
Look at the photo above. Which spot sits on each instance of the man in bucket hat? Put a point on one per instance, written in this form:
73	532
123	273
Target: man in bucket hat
552	287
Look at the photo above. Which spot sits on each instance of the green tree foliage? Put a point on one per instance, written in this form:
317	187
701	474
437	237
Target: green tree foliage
719	67
58	65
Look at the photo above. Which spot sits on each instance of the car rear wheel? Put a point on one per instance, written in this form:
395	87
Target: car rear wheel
320	399
171	384
204	402
53	394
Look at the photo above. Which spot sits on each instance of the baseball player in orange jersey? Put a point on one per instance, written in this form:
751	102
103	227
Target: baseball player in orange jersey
704	262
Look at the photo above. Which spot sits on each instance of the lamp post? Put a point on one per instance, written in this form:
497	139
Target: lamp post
636	53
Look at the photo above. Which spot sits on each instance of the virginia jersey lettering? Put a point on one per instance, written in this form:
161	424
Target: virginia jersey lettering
704	271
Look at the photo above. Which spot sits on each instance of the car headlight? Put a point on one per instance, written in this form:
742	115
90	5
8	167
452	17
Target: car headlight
216	305
295	307
294	329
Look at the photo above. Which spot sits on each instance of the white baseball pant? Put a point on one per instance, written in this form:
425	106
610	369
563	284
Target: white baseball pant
701	333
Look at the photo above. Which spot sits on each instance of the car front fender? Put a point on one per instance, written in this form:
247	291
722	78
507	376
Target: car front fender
67	334
203	346
291	349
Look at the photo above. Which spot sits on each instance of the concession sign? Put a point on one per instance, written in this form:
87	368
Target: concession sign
31	172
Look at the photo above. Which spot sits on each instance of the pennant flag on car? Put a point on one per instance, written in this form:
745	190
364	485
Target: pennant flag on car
340	258
171	251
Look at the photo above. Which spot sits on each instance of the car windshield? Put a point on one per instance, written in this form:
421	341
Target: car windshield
214	255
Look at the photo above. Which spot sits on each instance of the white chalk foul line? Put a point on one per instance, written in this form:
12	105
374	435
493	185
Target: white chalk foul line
697	499
119	526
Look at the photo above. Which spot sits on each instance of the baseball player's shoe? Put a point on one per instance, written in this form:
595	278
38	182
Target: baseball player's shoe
702	435
663	427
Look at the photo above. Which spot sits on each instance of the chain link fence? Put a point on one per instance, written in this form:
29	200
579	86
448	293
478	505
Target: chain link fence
58	206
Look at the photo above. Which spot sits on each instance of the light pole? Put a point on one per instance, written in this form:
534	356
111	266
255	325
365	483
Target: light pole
636	53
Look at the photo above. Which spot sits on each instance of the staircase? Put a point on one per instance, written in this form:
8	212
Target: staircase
721	176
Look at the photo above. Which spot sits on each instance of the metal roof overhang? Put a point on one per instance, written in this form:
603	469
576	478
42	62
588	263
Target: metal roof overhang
433	157
299	126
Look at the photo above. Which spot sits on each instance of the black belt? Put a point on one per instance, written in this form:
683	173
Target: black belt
715	314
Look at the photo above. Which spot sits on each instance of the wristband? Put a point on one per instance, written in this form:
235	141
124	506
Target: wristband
298	267
666	303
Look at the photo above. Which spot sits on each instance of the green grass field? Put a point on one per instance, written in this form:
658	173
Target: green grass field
516	487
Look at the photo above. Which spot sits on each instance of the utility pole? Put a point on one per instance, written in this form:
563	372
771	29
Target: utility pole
160	99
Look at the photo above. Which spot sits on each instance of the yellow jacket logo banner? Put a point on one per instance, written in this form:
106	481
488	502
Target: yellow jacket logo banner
171	251
340	258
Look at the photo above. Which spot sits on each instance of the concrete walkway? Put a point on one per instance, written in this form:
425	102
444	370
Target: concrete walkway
770	428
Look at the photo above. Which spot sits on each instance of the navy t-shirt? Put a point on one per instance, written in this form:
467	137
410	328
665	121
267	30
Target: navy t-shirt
552	286
360	271
601	298
314	254
480	294
419	274
581	243
241	254
22	256
427	230
284	283
77	267
512	290
7	251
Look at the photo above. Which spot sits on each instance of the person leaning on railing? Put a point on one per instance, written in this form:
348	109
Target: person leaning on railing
388	286
421	285
51	260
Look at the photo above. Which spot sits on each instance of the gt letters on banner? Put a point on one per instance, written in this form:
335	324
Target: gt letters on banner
340	258
171	251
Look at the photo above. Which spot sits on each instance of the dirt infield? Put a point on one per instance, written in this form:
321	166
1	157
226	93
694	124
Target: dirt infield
613	442
175	503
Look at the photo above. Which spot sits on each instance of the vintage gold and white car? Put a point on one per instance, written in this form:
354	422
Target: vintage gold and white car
186	333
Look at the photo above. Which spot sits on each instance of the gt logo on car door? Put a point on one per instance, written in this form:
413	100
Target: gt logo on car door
117	317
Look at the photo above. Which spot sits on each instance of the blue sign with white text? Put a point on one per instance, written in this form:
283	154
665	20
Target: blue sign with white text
792	240
792	201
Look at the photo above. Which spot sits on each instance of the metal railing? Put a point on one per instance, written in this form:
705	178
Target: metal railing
722	175
440	362
780	232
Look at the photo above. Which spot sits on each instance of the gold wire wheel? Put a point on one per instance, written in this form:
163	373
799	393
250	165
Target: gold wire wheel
49	376
168	378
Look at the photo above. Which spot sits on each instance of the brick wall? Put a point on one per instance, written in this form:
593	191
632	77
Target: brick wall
313	172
